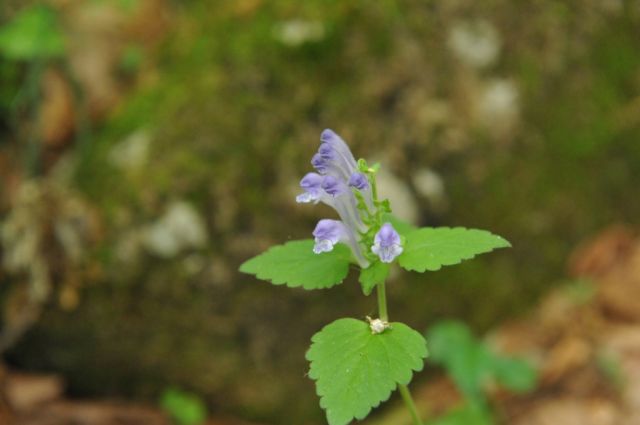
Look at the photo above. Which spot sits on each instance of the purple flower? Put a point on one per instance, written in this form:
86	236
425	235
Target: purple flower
312	186
387	243
344	202
327	152
359	181
334	186
319	163
334	156
328	233
330	138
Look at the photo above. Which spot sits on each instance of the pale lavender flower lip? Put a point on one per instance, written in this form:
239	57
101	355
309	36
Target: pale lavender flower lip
328	233
311	183
333	186
387	243
330	138
359	181
319	163
326	151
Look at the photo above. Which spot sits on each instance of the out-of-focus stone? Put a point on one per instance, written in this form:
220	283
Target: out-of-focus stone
25	392
298	31
399	194
180	228
132	153
475	43
430	184
497	107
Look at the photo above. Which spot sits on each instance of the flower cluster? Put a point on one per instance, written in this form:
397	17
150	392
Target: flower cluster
341	184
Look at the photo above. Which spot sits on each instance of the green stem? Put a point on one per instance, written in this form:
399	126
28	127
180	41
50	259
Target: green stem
382	302
404	391
406	396
374	194
374	185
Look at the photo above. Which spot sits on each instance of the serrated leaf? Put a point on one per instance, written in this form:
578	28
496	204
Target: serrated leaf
356	370
296	265
372	275
431	248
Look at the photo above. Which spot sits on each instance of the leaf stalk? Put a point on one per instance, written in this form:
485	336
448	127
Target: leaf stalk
404	390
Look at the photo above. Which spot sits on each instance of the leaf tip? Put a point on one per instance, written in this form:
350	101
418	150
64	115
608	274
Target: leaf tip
246	267
503	243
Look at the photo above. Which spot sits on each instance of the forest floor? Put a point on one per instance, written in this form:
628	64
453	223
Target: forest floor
583	337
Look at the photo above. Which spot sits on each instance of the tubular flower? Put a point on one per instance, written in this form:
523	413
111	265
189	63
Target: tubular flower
312	186
339	183
359	181
328	233
387	243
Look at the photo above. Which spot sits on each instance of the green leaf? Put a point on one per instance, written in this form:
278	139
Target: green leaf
356	370
467	361
33	34
431	248
446	338
515	374
371	276
296	265
472	365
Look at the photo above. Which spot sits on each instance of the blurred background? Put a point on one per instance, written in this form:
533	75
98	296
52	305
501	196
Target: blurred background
149	147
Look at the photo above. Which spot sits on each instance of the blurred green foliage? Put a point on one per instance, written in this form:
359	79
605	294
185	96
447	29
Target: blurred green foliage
467	414
609	365
34	34
29	41
183	407
473	366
